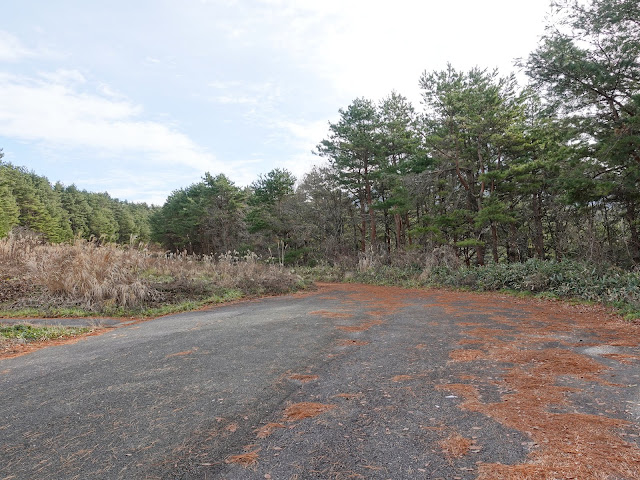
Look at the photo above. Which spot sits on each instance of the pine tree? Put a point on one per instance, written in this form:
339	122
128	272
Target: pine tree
589	64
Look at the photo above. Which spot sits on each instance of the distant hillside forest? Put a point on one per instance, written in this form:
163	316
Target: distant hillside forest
62	213
497	172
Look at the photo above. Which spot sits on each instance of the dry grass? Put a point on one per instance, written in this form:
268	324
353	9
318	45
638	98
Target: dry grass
83	274
108	278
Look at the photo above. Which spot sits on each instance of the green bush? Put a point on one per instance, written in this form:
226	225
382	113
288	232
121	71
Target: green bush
572	279
550	279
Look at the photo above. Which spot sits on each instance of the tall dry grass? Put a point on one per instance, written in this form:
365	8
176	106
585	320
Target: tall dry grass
104	277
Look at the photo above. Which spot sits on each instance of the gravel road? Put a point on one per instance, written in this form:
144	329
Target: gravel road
348	381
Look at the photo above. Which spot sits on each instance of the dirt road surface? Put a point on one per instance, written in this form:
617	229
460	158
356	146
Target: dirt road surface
349	381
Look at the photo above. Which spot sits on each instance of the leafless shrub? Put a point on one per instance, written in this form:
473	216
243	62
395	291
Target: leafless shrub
89	274
407	258
102	277
444	256
368	260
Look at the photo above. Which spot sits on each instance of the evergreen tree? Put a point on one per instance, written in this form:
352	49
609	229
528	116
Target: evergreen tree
588	63
224	226
9	210
473	122
272	210
401	155
353	148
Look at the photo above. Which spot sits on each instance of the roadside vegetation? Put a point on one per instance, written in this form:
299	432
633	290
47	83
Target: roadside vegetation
490	185
567	280
23	332
86	278
12	336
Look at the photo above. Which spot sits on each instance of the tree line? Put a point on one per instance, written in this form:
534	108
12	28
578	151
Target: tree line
496	171
62	213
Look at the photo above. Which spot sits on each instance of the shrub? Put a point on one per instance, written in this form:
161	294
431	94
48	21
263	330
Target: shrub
564	279
108	278
568	279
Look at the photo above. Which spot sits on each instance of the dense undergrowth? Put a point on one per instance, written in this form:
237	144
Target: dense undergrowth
86	278
89	279
569	280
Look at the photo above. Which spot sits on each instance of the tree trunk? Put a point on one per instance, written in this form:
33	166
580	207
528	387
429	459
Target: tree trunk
494	245
363	227
513	254
480	255
372	217
387	231
538	239
634	238
399	232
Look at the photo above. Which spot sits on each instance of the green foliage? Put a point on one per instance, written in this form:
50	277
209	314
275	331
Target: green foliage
62	213
354	149
567	279
177	224
588	64
38	204
77	206
9	211
28	332
206	217
273	187
469	242
475	129
272	213
551	170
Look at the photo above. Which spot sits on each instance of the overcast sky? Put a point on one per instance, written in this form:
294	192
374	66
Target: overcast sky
141	97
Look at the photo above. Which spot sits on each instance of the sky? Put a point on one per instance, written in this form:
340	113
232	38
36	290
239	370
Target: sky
139	98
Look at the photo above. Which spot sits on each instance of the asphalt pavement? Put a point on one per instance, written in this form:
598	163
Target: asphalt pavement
348	381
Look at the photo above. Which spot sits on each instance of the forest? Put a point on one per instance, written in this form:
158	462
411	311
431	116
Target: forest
491	171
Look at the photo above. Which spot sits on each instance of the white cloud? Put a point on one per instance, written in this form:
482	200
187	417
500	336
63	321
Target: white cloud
64	77
108	91
306	135
45	111
124	184
365	48
257	79
11	48
222	85
235	99
236	92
